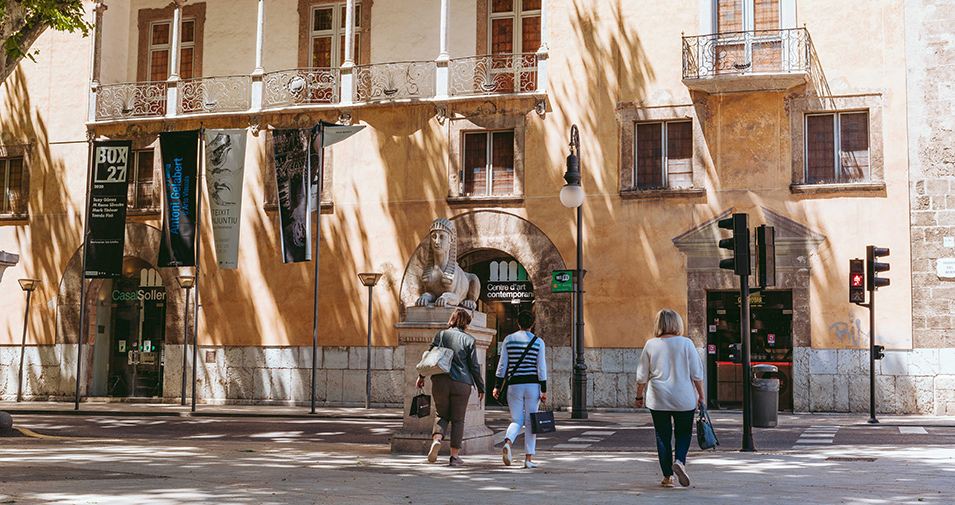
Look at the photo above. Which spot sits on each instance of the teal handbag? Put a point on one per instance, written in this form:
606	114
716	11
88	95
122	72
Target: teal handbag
705	436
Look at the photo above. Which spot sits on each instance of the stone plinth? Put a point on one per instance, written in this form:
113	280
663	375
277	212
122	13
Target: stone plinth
415	335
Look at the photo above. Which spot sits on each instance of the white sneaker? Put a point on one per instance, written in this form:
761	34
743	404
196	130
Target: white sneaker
433	453
507	454
529	464
680	471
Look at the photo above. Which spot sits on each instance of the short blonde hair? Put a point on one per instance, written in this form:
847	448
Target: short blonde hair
667	322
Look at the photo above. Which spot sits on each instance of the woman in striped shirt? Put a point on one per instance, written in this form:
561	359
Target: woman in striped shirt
527	385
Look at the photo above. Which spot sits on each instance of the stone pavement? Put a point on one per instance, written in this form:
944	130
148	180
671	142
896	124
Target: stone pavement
83	471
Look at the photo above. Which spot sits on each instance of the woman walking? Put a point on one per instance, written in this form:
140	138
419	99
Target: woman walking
524	367
452	390
672	367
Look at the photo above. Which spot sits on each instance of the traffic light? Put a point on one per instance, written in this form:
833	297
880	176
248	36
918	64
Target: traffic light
873	267
856	281
877	351
766	256
739	244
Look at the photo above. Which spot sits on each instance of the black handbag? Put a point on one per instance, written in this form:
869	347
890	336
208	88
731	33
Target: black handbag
543	422
502	394
705	436
420	406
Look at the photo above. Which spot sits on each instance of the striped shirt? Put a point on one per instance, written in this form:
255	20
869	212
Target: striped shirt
533	369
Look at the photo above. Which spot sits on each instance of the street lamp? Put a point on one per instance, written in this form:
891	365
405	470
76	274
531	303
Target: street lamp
185	282
368	280
27	285
572	195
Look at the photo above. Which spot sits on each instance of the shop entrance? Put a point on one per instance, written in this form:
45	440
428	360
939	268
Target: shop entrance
131	318
771	343
505	292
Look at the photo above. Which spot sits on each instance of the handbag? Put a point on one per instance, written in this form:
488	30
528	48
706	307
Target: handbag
502	394
543	422
705	436
420	406
436	360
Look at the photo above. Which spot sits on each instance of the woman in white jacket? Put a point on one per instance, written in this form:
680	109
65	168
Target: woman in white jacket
671	365
526	387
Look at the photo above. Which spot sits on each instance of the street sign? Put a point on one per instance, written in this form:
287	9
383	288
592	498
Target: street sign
563	281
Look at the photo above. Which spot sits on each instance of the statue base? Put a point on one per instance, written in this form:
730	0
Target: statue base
415	335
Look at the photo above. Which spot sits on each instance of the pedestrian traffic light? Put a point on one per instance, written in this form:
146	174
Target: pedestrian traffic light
877	351
873	267
766	256
739	244
856	281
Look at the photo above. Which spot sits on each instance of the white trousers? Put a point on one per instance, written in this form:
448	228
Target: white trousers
522	400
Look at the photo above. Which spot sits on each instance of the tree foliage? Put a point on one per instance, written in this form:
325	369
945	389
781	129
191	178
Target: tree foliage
23	21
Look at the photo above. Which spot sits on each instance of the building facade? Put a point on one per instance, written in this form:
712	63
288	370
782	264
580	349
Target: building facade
686	115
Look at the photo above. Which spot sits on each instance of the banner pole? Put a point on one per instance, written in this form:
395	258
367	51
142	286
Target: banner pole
318	234
195	319
86	231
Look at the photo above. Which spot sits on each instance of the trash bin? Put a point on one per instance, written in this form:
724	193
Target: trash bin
765	394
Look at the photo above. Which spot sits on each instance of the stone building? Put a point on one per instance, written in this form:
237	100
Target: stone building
686	115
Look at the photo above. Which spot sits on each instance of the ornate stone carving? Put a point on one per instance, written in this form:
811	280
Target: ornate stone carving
443	282
540	106
344	117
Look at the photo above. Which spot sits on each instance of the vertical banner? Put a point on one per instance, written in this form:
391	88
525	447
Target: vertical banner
180	157
316	159
290	148
106	209
225	165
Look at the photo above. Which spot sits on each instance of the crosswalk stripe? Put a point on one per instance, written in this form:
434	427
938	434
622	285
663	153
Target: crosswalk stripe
912	430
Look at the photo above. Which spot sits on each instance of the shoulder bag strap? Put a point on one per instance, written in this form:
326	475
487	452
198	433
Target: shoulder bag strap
507	376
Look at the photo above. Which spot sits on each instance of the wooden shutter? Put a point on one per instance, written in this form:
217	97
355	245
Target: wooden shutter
502	162
475	164
649	155
680	154
854	146
820	148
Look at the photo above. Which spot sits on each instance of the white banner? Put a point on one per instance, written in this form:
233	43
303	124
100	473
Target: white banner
225	165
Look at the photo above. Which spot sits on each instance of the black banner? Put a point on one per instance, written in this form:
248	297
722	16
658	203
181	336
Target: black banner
106	209
180	155
291	153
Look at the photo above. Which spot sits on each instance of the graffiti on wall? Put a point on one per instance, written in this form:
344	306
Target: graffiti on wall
851	334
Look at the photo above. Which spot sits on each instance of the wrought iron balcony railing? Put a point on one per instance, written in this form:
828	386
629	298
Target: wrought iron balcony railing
301	86
229	93
130	100
395	80
784	51
499	73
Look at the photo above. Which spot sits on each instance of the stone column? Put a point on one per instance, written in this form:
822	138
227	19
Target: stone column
415	335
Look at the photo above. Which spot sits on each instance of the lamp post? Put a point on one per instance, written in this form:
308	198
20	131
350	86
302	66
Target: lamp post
369	280
27	285
185	282
572	195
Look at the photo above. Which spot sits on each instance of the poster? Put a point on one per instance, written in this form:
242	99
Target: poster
291	153
180	156
106	209
225	166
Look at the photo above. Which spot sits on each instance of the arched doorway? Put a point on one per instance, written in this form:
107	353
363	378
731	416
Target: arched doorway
130	326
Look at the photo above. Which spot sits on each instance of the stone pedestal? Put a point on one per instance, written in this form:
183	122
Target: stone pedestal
415	335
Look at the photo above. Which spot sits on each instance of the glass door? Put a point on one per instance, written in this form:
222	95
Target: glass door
137	334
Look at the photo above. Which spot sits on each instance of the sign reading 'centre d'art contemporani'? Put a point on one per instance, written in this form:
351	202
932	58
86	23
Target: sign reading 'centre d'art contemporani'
180	152
225	164
509	290
106	209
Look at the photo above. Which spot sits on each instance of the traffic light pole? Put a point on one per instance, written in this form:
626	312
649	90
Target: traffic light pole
748	445
871	305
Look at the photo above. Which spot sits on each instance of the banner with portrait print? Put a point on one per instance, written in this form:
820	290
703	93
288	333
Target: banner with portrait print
290	150
180	167
225	166
106	209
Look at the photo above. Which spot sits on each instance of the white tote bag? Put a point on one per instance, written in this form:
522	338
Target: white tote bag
436	360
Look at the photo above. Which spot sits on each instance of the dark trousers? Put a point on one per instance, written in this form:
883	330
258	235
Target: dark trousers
450	405
681	427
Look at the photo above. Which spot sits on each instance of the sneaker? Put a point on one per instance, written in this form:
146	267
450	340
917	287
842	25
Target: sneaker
529	464
455	462
507	454
433	453
668	481
680	470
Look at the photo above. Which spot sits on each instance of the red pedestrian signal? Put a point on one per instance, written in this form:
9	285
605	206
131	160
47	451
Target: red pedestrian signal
856	281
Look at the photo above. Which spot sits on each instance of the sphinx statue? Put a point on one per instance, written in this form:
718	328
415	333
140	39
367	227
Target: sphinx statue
443	282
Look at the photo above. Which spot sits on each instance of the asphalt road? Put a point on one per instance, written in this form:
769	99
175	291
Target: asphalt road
602	432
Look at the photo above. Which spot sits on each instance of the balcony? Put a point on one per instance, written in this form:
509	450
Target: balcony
756	60
359	86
